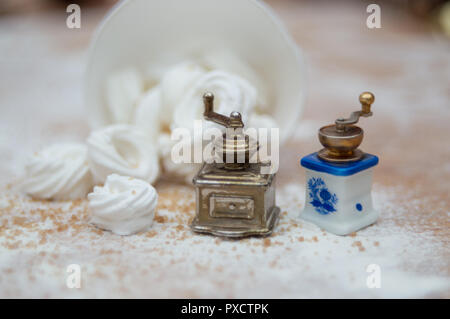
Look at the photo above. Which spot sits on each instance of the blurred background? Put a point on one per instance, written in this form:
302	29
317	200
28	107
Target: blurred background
406	63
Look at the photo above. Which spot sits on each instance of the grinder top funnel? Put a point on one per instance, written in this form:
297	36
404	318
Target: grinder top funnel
341	140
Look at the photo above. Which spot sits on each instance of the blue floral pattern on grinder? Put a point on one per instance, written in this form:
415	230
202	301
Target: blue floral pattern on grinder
321	198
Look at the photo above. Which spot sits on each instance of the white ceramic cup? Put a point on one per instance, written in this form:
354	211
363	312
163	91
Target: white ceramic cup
154	34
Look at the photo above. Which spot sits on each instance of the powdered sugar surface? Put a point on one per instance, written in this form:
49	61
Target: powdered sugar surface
39	240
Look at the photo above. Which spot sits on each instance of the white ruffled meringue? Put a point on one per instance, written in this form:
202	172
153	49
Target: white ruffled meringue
124	205
58	172
176	81
261	121
176	102
147	113
231	93
229	62
123	89
186	171
122	149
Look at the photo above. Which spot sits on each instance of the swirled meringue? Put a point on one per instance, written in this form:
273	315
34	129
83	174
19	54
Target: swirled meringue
58	172
124	205
261	121
147	113
122	149
228	61
123	90
177	80
231	93
185	171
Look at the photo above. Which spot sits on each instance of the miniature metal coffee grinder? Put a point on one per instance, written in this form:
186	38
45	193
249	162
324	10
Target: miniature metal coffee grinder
339	177
233	198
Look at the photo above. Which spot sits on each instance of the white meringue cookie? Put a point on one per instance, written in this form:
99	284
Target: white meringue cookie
124	205
186	171
123	89
58	172
147	113
261	121
177	102
229	62
176	81
122	149
231	93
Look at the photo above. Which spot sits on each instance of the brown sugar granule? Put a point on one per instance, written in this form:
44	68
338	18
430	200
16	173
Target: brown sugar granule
62	228
75	203
266	242
106	251
160	219
359	245
43	240
352	234
19	220
301	239
13	245
96	230
376	244
315	239
219	268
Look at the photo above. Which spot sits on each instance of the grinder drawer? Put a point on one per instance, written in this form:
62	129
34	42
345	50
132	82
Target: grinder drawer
226	206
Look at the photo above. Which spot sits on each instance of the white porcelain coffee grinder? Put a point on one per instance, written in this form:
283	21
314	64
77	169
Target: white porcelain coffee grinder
339	177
